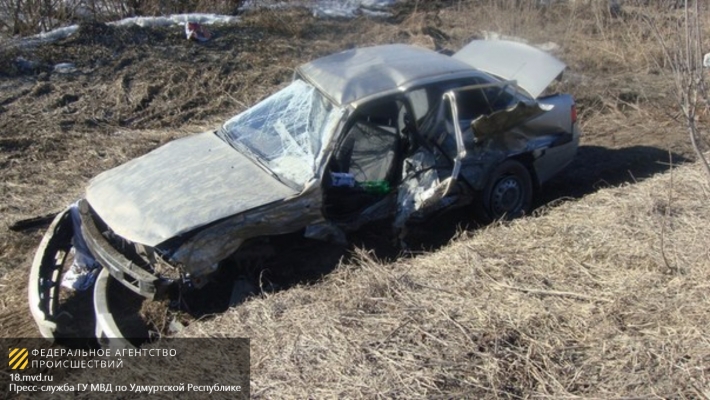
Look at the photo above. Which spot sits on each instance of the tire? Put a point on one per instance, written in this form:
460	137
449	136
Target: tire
508	193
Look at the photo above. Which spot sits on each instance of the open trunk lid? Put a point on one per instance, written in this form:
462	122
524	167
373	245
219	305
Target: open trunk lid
532	68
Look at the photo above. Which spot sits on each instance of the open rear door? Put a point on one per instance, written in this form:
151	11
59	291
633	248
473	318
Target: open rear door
532	68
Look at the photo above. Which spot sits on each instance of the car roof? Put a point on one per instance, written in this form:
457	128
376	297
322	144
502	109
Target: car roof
354	76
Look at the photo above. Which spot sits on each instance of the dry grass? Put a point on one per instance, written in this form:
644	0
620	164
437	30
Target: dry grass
605	297
577	302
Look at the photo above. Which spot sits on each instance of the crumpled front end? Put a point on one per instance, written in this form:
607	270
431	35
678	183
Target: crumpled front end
179	187
189	260
134	265
70	257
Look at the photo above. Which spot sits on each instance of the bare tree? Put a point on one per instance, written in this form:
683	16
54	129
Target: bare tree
684	54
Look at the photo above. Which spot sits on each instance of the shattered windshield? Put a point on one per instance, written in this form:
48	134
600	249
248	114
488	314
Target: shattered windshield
286	131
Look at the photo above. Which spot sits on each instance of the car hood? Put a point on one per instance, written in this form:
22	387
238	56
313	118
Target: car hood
532	68
181	186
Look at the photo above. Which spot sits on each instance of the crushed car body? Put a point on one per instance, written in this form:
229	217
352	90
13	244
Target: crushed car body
392	131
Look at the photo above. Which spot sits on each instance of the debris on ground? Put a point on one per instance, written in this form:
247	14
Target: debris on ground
195	31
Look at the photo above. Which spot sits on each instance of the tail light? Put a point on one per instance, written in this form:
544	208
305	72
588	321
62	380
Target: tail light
573	113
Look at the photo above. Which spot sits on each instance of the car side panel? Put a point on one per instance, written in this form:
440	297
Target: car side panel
200	254
565	133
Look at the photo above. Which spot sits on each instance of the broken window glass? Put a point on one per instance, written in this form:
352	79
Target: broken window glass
287	131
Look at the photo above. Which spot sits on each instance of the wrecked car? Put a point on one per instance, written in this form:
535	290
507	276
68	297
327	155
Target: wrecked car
391	131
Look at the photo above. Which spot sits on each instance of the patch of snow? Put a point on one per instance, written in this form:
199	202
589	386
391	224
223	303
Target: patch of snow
49	37
376	4
320	8
330	8
706	60
350	8
334	12
375	13
65	68
177	19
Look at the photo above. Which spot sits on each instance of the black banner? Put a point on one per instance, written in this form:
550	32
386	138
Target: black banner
186	367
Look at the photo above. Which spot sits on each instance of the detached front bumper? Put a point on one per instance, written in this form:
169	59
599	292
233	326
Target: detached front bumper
46	273
45	280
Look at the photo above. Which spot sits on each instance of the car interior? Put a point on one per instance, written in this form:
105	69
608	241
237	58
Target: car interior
368	157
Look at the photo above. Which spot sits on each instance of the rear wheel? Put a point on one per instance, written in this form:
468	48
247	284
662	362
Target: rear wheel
508	193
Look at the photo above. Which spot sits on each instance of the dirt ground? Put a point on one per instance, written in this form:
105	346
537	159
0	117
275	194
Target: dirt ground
129	90
132	89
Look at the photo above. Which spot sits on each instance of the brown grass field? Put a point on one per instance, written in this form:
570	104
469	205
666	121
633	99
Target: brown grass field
603	293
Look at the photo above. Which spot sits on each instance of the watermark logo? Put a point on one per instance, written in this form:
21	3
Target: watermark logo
18	358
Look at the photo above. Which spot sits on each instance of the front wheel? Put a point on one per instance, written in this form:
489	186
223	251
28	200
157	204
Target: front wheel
508	193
